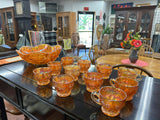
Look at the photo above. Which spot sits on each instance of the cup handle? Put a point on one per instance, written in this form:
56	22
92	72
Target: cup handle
112	82
95	99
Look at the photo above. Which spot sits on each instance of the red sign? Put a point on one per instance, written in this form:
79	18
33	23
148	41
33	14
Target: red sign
86	8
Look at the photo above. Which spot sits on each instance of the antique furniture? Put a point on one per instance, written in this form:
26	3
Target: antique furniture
138	19
66	24
99	30
9	26
114	59
19	88
146	51
34	24
75	43
133	67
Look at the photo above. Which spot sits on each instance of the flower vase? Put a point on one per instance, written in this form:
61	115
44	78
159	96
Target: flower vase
133	57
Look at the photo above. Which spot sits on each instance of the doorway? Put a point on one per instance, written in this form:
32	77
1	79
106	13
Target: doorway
86	27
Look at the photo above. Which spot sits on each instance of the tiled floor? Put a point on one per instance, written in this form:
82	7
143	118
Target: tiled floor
21	117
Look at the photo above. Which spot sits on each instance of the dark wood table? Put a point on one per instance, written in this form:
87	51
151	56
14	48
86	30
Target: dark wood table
40	103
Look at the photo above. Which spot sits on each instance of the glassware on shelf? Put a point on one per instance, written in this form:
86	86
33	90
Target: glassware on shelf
112	100
73	70
93	81
104	69
63	84
42	75
56	67
129	85
84	65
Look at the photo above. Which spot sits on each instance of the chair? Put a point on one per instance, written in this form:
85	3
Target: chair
147	41
93	54
99	30
75	42
104	45
36	37
137	68
146	51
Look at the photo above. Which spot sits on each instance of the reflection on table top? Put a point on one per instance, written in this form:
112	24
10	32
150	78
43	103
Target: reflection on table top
153	64
145	104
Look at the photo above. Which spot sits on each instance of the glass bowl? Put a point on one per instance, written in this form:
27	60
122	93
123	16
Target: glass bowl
39	55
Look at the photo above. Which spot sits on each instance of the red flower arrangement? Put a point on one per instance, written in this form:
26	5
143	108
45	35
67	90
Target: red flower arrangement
132	40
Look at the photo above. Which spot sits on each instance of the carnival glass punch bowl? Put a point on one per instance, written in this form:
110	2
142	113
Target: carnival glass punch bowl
39	55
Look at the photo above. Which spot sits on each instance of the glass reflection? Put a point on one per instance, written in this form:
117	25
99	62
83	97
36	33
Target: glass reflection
132	22
120	27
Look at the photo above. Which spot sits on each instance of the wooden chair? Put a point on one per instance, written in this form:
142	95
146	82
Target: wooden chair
140	70
75	42
104	45
99	30
36	37
147	41
146	51
93	54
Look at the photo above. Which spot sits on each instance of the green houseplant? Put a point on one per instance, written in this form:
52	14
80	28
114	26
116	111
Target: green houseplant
107	30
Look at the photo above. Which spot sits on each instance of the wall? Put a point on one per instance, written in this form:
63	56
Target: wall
6	3
34	6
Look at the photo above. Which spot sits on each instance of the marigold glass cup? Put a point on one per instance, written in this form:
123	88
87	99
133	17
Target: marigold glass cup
127	72
129	85
42	75
84	65
63	85
73	70
67	61
93	81
111	99
104	69
56	67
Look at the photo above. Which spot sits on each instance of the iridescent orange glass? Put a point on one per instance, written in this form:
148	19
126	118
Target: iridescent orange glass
93	81
127	72
84	65
73	70
63	85
104	69
129	85
67	61
111	99
41	54
56	67
42	75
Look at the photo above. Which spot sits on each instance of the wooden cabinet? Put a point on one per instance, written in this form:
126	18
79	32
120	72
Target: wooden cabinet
9	26
135	19
34	21
66	24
